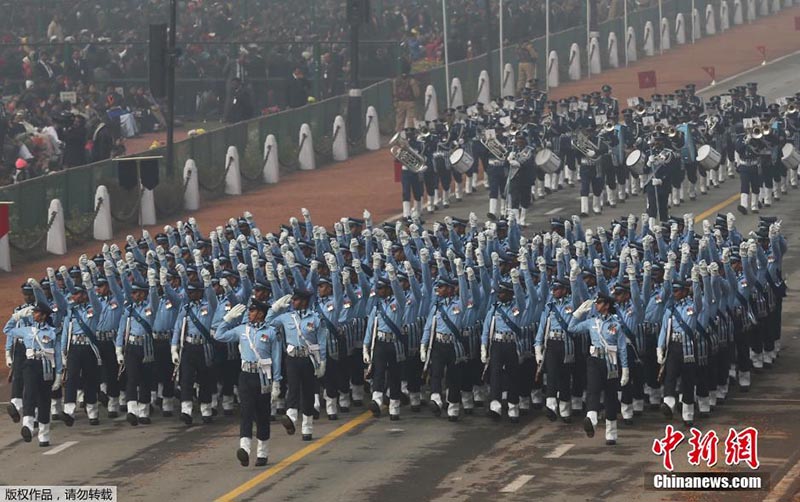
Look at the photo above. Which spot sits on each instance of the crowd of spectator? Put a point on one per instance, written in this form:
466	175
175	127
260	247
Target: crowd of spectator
73	73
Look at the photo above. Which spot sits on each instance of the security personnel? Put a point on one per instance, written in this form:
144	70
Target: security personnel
169	304
607	365
661	164
79	343
192	347
441	341
42	367
15	349
630	312
135	348
328	303
261	352
742	278
383	347
306	347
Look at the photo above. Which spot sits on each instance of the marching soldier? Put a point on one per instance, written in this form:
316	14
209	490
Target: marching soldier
15	349
112	299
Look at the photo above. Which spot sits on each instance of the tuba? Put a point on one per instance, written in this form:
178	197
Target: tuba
403	153
494	145
583	144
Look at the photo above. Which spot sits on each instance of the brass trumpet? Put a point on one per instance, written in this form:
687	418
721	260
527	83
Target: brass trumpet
672	132
402	151
608	126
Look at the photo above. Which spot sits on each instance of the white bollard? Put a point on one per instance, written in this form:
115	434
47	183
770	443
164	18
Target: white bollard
147	208
339	139
613	52
649	39
305	153
763	8
552	69
630	44
575	62
594	56
696	31
724	16
56	236
431	105
665	35
233	178
776	6
738	14
711	22
103	229
456	93
5	248
484	89
751	11
191	180
373	141
271	171
509	84
680	29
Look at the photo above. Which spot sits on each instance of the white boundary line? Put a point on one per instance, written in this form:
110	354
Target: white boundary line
60	448
516	484
559	450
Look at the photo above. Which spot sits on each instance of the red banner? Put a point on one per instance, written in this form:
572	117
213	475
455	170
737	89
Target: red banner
712	72
4	219
647	79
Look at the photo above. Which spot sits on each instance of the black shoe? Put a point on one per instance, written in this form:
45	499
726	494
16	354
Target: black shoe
333	417
13	413
436	409
344	409
744	388
491	216
566	420
666	410
452	419
227	413
584	215
394	418
742	209
627	421
611	442
513	420
588	428
307	437
551	415
375	408
132	419
144	420
468	411
166	414
68	419
358	402
206	420
493	415
186	418
315	414
55	417
27	434
243	456
416	408
261	461
287	424
44	444
94	421
113	414
214	412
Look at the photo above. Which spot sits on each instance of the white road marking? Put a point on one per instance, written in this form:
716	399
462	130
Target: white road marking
771	460
397	430
554	211
516	484
559	450
765	400
60	448
784	484
749	70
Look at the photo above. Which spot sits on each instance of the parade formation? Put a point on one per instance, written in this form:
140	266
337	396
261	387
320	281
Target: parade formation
457	315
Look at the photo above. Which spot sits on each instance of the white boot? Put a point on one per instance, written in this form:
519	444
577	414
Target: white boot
584	206
712	398
467	185
467	402
524	404
331	407
429	204
611	432
522	215
564	409
206	410
307	428
754	202
551	408
493	206
676	198
80	397
344	401
446	199
702	184
243	453
769	356
731	169
590	423
744	202
44	434
92	411
627	411
293	415
681	192
704	405
167	405
56	408
612	202
537	397
227	404
503	206
436	398
406	209
496	408
670	401
317	403
473	181
452	411
376	403
638	406
394	409
767	196
758	360
186	408
458	192
515	212
262	450
358	392
27	428
621	193
687	412
577	403
597	204
436	200
635	186
513	412
539	189
793	178
692	191
415	399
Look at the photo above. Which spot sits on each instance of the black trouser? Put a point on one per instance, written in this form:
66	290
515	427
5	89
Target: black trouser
470	374
82	368
302	384
384	360
503	358
579	369
557	371
635	387
336	379
18	364
355	368
676	367
254	406
412	185
412	372
194	369
497	180
590	181
657	201
110	368
750	179
163	369
226	370
741	337
140	375
36	395
431	180
520	189
650	359
723	364
443	359
597	381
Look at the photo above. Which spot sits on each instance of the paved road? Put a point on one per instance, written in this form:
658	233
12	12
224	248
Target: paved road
426	458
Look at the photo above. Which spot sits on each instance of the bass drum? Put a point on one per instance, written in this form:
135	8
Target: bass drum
547	161
461	160
636	162
790	156
708	157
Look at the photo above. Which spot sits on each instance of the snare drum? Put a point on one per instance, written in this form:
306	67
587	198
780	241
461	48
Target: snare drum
790	156
547	161
636	162
708	157
461	160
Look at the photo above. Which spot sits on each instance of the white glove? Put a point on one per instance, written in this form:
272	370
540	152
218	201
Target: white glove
448	222
281	304
539	350
630	270
376	261
522	257
353	245
235	312
615	231
647	241
320	370
269	271
647	267
276	391
225	285
559	254
631	222
254	257
87	280
57	382
51	274
345	277
22	313
460	266
470	274
730	221
514	275
484	354
495	259
131	241
580	249
423	353
390	271
365	355
713	268
541	264
626	376
330	260
597	264
589	234
129	258
291	262
576	219
313	266
585	307
176	357
367	215
8	359
601	234
574	271
567	226
121	358
695	273
703	268
656	182
151	277
660	358
706	227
